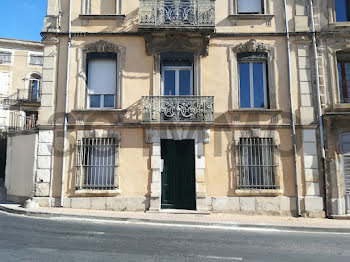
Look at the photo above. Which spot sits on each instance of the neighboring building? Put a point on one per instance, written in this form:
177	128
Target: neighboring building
334	52
20	88
178	104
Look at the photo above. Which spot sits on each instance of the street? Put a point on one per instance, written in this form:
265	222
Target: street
32	239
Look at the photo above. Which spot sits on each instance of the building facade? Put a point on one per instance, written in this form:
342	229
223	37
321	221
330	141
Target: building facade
20	82
200	105
333	43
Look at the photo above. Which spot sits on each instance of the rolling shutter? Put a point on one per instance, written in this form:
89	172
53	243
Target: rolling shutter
4	82
346	167
102	76
345	151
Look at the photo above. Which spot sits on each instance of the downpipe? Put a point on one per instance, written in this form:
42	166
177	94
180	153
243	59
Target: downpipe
66	103
292	109
319	105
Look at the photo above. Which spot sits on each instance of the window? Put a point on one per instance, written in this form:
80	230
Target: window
177	74
253	80
96	163
5	57
344	77
342	10
250	6
102	80
4	82
36	60
257	162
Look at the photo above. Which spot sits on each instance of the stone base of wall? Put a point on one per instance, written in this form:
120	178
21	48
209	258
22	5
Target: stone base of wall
280	205
16	199
312	206
255	205
108	203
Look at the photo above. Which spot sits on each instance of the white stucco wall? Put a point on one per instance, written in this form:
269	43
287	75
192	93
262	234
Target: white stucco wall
20	165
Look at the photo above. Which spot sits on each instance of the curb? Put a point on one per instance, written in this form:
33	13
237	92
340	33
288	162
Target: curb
175	223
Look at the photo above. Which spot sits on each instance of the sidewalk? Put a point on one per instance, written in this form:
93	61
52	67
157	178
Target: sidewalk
190	219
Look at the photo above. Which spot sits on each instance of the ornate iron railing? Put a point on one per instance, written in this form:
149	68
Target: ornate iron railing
178	109
22	95
177	13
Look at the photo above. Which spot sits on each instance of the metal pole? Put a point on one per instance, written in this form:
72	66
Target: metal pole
66	102
292	109
319	105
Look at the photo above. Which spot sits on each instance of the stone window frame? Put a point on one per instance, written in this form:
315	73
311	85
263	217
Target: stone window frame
157	77
99	47
258	133
337	91
253	46
100	133
86	7
12	52
235	16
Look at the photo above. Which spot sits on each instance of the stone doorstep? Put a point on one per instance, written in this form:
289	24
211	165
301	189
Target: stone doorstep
341	217
179	211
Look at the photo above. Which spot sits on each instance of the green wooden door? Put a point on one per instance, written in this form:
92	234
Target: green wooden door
178	176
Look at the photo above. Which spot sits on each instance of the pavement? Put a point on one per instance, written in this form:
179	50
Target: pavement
189	219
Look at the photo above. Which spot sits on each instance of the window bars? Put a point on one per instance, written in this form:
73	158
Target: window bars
257	162
96	164
36	60
5	57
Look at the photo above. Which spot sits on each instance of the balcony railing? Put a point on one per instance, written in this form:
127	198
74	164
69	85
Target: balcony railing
18	121
177	13
23	96
177	109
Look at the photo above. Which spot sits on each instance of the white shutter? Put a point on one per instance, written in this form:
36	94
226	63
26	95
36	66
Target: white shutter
346	168
249	6
102	76
4	118
4	82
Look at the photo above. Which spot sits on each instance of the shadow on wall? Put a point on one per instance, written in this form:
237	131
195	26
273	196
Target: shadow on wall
129	24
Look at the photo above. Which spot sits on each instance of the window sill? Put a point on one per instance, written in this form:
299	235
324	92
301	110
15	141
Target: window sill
98	110
102	17
340	24
259	192
92	192
265	17
273	112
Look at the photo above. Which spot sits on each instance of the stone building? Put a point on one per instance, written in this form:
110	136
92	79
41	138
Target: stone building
334	55
201	105
20	79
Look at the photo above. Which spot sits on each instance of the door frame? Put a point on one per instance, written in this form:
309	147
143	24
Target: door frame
177	78
154	136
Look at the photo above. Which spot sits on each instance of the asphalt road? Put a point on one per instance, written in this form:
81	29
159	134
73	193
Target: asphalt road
32	239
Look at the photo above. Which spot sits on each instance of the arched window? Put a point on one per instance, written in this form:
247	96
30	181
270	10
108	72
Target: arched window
34	87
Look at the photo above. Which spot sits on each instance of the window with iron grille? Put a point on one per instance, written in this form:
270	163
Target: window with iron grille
257	162
96	163
5	57
36	60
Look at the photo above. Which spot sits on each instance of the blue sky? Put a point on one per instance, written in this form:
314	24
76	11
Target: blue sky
22	19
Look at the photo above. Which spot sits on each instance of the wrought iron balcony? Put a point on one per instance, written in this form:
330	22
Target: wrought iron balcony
162	14
158	109
23	96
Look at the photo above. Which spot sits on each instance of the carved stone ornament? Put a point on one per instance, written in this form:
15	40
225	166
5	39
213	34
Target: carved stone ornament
177	42
252	46
102	47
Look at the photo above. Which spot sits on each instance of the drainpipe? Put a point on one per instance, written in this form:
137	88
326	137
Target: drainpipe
66	101
292	108
319	105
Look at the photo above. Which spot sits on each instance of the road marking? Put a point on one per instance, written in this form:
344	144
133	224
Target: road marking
222	258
